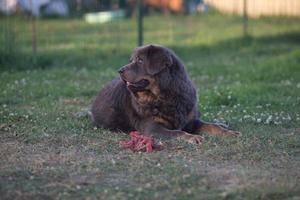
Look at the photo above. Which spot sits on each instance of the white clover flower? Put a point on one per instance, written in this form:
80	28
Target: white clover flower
269	119
247	116
286	82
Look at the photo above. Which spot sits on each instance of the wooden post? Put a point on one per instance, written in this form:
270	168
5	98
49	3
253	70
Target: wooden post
140	22
33	30
245	18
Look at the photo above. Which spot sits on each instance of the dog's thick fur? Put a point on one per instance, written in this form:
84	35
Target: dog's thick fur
155	96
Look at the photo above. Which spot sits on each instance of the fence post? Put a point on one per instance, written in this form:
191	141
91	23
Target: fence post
245	18
140	22
33	29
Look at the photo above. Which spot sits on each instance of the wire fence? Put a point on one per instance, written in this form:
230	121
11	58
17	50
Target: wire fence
25	38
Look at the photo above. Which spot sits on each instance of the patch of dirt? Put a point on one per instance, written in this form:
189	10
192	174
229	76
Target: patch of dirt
46	154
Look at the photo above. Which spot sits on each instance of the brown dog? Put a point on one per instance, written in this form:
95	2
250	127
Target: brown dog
155	96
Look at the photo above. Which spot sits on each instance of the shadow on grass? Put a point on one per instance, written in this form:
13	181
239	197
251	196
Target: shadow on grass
78	58
236	44
92	57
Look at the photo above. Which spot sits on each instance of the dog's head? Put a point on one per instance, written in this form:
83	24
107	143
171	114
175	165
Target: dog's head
147	63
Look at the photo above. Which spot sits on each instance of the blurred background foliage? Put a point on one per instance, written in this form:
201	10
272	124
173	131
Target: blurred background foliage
42	33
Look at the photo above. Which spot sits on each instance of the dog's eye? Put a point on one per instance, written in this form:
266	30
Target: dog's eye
140	61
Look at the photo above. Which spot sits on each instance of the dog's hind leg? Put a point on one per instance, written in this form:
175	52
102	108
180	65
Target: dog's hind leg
197	126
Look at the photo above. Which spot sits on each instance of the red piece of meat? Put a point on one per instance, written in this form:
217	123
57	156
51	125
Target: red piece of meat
140	142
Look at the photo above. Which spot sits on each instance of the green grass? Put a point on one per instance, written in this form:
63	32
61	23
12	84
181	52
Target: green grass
252	83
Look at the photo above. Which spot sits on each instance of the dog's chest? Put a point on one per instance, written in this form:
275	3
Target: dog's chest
161	110
145	98
147	104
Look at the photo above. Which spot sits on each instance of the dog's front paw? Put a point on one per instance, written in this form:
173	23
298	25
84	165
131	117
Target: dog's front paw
193	139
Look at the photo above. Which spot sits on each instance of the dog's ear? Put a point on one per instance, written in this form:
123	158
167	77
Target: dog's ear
159	59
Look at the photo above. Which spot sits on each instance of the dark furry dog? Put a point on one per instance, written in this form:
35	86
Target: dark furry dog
155	96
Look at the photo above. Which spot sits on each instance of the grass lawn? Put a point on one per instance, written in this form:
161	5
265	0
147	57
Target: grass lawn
253	84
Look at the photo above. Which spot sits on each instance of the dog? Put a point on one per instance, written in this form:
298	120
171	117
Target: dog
155	96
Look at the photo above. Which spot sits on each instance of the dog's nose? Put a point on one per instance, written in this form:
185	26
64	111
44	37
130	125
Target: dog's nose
121	70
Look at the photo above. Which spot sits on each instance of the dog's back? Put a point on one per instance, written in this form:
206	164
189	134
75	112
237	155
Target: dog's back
110	109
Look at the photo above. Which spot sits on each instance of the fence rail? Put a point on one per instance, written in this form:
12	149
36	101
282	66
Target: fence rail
257	8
